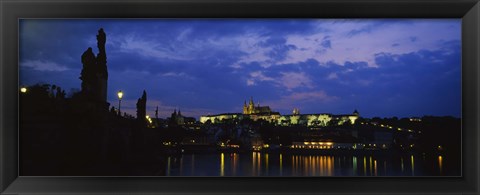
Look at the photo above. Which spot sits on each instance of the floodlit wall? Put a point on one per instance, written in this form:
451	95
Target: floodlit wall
286	120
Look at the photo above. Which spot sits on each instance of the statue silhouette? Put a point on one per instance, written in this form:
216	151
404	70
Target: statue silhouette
94	73
142	108
88	71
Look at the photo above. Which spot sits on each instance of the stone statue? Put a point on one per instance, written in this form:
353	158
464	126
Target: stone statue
88	71
142	107
94	73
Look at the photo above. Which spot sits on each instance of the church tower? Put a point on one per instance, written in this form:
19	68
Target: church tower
245	108
251	106
356	113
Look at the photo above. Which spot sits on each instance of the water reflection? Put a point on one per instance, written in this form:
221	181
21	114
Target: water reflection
364	165
413	165
401	163
311	165
278	164
193	165
385	167
234	163
254	157
181	167
370	165
281	164
354	164
169	165
266	163
222	164
440	162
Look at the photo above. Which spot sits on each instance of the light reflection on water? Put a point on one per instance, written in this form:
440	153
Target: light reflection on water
222	164
440	163
278	164
413	165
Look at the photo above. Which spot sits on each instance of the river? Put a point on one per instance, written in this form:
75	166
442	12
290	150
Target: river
279	164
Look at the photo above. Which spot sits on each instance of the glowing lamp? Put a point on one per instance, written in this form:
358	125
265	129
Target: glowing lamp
23	90
120	94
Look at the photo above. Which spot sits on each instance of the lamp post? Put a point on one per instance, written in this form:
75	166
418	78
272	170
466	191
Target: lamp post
23	89
120	95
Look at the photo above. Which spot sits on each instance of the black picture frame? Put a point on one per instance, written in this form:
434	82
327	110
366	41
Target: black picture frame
11	11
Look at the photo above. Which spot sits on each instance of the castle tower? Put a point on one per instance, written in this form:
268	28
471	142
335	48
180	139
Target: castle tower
296	111
180	119
245	108
356	113
251	106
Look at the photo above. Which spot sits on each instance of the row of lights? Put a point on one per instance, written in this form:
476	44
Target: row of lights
319	143
312	146
391	127
223	145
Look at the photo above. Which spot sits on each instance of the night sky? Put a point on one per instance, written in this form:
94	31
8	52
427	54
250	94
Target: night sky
382	67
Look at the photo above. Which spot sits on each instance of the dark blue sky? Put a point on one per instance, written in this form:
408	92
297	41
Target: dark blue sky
382	67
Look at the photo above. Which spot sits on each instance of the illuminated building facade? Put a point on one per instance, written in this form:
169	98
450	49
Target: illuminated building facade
259	110
265	113
320	120
219	117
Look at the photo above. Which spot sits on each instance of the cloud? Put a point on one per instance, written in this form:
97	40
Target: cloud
326	44
292	80
257	76
150	49
249	44
360	40
300	100
174	74
42	65
314	96
285	80
332	76
184	34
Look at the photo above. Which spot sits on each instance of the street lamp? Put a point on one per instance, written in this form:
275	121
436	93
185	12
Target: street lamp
23	90
120	95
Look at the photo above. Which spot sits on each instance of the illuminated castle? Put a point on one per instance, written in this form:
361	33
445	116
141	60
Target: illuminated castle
265	113
251	109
